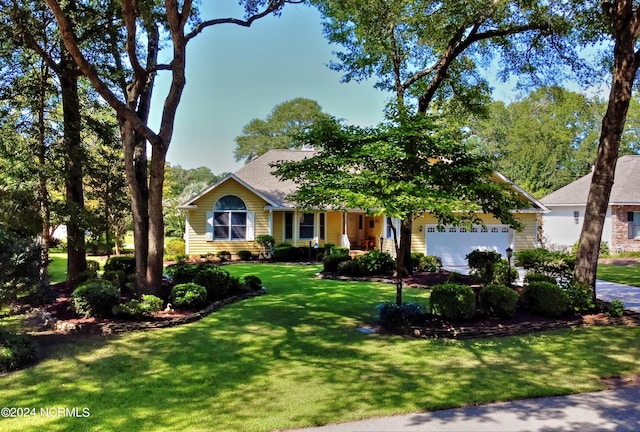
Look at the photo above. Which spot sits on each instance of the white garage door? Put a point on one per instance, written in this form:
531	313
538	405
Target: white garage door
454	243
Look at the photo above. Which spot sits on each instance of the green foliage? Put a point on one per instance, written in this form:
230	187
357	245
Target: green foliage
557	264
252	282
266	243
425	263
19	266
93	265
331	262
602	252
504	274
224	255
134	309
616	308
483	264
16	351
125	263
244	255
454	302
546	299
499	300
182	272
580	297
188	296
116	277
95	297
349	267
280	130
393	317
339	250
375	262
217	282
174	247
533	276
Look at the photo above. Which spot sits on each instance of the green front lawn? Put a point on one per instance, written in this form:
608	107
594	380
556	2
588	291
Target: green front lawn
625	274
295	357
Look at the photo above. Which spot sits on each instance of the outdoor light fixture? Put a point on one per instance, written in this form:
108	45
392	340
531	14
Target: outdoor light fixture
381	240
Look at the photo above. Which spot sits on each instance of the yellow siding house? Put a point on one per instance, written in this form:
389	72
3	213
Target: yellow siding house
230	214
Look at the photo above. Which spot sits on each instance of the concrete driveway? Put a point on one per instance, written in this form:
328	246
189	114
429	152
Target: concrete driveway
629	295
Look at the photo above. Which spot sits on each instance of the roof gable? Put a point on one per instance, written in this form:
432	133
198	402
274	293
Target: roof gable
257	176
625	190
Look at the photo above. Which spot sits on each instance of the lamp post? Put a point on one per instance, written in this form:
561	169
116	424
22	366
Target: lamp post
509	252
381	240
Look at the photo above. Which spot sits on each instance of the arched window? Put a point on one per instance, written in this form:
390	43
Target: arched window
230	219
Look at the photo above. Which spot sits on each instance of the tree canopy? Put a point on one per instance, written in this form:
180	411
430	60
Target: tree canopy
547	139
279	130
401	169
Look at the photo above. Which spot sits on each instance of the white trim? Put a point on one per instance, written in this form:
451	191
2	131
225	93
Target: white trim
250	234
250	188
208	235
187	236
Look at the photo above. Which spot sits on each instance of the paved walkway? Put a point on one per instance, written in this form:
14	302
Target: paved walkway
611	410
629	295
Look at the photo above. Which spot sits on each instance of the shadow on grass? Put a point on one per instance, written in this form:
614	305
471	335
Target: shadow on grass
293	358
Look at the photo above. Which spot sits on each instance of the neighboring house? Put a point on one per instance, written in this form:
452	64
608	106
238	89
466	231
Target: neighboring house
562	225
252	201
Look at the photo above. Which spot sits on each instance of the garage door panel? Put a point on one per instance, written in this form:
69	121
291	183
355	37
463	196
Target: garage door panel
453	244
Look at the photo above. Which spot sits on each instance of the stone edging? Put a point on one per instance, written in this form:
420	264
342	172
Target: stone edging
462	332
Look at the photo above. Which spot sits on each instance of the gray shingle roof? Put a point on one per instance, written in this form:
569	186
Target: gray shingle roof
626	186
258	174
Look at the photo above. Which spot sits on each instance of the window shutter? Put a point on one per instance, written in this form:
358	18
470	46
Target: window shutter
629	216
208	236
251	235
630	226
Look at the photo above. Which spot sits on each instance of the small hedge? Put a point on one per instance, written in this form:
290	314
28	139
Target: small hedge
425	263
244	255
546	299
125	263
331	262
217	281
453	302
375	262
16	351
135	309
95	297
533	276
188	296
392	316
252	283
483	264
499	300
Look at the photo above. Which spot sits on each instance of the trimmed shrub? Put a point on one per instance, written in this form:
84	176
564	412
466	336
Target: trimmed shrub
539	277
224	255
154	304
266	243
483	264
557	264
116	277
499	300
453	302
95	297
182	272
375	262
188	296
425	263
392	316
349	268
174	247
616	308
16	351
253	283
215	280
134	309
501	275
546	299
580	297
284	252
84	276
339	250
93	265
244	255
125	263
331	262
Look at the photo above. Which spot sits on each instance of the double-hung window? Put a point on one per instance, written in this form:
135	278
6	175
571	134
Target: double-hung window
633	219
306	226
230	219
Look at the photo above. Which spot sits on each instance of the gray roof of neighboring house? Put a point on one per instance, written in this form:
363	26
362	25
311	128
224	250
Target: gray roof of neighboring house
626	186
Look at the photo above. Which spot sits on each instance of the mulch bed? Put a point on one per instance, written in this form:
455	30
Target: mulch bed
485	326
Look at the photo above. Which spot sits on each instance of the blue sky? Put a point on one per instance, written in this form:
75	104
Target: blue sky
236	74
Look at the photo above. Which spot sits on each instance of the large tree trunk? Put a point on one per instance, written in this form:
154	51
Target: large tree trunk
74	155
624	72
43	192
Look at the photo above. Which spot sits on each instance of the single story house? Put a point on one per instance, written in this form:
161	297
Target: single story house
251	201
562	225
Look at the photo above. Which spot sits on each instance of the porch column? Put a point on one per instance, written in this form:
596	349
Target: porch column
270	222
344	238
